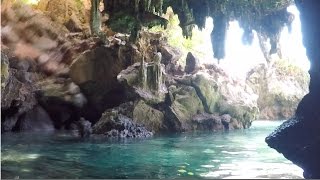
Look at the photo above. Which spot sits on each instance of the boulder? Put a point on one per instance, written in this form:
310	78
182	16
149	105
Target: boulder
114	123
62	99
170	58
225	95
192	64
151	118
222	94
185	103
213	122
207	122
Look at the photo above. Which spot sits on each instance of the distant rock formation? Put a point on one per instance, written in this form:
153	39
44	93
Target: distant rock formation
280	89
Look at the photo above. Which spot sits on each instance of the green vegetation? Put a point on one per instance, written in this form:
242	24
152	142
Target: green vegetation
192	44
285	68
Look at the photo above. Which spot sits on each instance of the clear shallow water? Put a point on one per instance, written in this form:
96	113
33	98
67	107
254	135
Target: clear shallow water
236	154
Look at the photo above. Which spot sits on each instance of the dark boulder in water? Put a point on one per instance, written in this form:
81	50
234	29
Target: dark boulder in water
115	123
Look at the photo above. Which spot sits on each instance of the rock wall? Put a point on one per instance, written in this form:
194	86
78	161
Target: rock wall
37	93
298	138
208	99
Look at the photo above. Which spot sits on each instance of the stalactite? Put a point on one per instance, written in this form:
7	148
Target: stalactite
268	17
218	35
95	23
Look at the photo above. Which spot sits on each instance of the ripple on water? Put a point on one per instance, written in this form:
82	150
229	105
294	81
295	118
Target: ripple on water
238	154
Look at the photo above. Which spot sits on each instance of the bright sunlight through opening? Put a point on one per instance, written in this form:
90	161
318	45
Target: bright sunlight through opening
241	58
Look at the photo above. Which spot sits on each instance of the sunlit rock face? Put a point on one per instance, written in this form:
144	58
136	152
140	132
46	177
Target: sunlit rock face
298	138
280	89
72	14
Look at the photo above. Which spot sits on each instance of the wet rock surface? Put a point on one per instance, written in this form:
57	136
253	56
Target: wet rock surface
298	138
117	123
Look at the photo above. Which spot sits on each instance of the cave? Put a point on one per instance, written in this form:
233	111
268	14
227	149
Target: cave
155	89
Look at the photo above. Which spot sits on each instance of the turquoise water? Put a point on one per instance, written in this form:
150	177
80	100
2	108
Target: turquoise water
236	154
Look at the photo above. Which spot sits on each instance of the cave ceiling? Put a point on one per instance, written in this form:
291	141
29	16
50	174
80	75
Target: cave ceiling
266	17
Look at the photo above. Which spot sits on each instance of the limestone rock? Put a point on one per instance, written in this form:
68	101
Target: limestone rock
62	99
192	64
83	127
222	94
146	86
95	71
115	124
4	69
151	118
280	89
17	93
69	12
185	103
207	122
298	138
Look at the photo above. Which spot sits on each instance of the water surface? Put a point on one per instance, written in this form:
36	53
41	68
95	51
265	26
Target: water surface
236	154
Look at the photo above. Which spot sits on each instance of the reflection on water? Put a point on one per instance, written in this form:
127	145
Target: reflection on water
237	154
